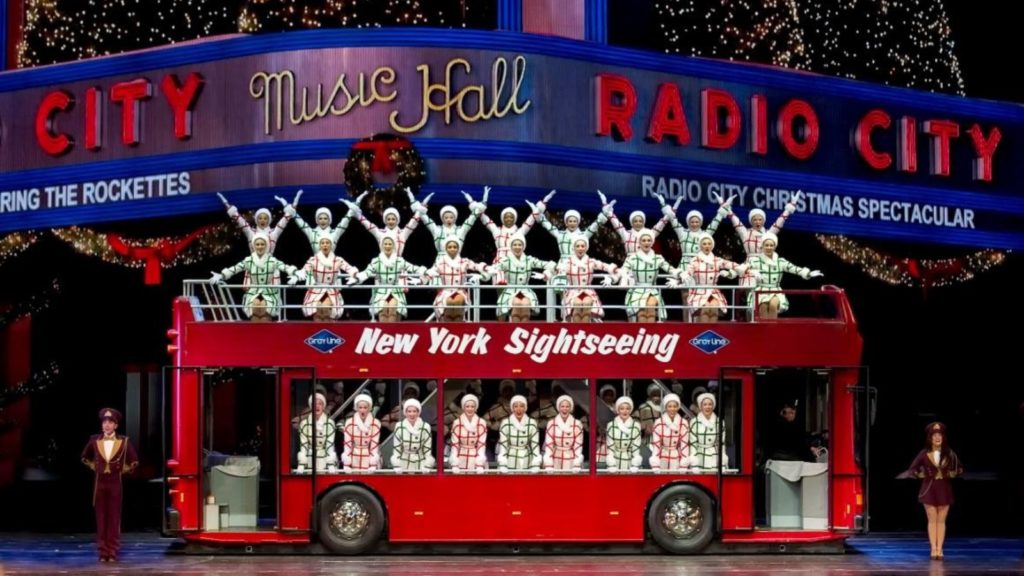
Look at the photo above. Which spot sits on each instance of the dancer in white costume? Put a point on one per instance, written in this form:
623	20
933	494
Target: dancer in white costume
518	443
412	441
623	438
361	451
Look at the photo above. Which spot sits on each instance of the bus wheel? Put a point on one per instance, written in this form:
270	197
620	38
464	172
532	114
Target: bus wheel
680	519
351	520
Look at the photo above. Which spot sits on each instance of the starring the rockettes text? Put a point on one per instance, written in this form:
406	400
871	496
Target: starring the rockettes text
537	346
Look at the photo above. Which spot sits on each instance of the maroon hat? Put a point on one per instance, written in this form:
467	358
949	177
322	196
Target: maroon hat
933	428
110	414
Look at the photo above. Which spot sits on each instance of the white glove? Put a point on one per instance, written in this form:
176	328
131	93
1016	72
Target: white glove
477	208
361	277
726	274
293	280
538	276
728	201
223	200
535	208
298	195
426	199
608	210
487	191
672	283
352	279
606	281
473	280
716	197
754	274
232	211
289	211
353	208
604	199
408	192
548	197
216	278
469	199
815	274
413	280
281	200
361	197
798	197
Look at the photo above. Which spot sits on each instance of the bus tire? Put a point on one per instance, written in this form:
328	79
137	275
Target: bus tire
681	519
351	520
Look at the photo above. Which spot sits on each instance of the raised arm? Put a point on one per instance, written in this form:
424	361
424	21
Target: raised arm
787	212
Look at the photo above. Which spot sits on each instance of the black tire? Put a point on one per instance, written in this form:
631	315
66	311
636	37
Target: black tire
351	520
689	534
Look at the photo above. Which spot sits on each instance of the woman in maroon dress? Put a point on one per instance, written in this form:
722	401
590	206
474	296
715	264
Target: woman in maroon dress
936	466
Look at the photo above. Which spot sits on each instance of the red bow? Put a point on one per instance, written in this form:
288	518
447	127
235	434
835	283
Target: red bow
163	251
381	150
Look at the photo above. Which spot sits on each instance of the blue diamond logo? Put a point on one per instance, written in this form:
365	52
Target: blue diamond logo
709	342
324	341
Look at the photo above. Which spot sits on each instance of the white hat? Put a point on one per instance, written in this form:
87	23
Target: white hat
517	398
451	238
411	402
449	208
606	388
755	212
324	210
623	400
693	213
770	236
702	236
670	398
517	236
506	384
644	232
707	396
652	387
362	398
325	237
570	214
260	235
467	398
580	238
319	397
263	211
515	215
635	213
391	210
565	397
388	236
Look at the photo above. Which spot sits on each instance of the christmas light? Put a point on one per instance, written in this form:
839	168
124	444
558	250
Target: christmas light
15	243
39	300
35	383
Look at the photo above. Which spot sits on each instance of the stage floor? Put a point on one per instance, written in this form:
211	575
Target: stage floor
147	555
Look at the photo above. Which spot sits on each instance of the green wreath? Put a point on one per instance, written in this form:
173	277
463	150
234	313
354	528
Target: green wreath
408	164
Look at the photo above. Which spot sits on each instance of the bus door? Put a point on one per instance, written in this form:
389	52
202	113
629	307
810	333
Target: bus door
182	449
856	402
733	394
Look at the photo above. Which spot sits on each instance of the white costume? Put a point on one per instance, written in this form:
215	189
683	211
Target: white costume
518	445
704	438
399	235
389	271
670	439
563	449
450	274
362	439
565	237
261	272
623	440
397	414
272	232
765	273
441	232
630	236
315	233
751	237
324	429
322	271
513	270
640	270
703	271
469	440
503	234
579	273
412	444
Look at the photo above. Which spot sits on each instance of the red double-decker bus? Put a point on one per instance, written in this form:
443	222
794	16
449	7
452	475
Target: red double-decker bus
241	474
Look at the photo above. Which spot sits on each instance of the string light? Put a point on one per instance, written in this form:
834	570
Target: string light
15	243
901	271
210	242
37	302
281	15
35	383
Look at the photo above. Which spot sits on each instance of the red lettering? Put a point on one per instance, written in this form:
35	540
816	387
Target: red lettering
862	139
941	131
809	132
906	152
758	124
616	103
93	119
130	95
984	148
712	103
52	142
668	118
182	100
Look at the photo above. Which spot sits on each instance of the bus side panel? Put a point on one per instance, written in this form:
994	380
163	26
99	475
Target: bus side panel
296	502
737	503
186	497
847	477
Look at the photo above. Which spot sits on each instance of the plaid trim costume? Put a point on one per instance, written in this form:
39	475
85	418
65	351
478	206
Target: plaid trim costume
503	234
704	442
450	273
315	233
563	449
640	270
399	235
703	271
361	443
670	443
564	238
412	446
580	274
250	230
751	237
516	271
323	270
770	270
261	273
469	442
324	448
623	441
389	270
518	445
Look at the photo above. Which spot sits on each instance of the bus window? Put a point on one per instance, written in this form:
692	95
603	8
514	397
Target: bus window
313	432
408	419
239	441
